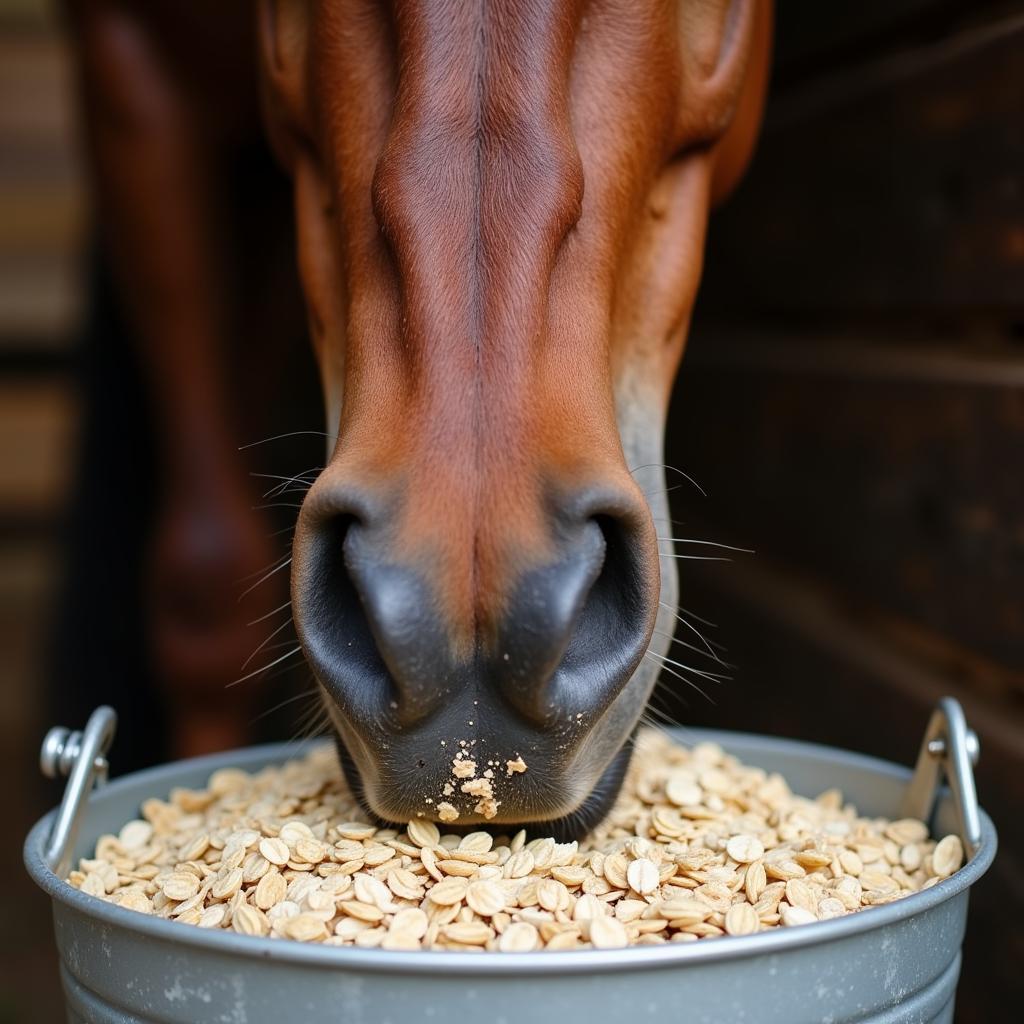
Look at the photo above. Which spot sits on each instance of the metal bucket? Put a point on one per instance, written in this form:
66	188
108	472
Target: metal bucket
896	962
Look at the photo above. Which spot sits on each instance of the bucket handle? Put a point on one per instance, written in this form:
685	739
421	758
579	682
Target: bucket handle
949	749
82	757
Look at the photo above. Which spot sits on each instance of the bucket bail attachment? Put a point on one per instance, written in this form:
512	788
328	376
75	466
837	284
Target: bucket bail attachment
82	758
949	749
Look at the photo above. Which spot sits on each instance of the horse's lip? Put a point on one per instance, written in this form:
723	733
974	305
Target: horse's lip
575	762
569	823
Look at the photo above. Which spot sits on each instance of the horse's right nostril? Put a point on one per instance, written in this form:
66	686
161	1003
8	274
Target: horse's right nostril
367	626
330	620
410	638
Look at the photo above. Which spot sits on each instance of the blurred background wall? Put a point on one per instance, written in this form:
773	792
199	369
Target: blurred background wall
852	400
42	223
80	471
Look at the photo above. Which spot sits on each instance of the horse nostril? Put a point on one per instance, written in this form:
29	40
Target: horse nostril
576	630
367	625
330	618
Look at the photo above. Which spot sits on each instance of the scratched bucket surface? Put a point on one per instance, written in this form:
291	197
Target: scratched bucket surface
896	962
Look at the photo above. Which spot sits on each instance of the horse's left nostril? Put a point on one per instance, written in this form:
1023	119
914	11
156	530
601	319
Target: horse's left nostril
577	629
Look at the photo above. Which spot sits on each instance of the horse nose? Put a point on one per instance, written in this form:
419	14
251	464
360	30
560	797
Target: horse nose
555	641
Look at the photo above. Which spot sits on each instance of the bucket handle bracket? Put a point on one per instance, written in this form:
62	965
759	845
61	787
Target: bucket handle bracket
949	749
82	758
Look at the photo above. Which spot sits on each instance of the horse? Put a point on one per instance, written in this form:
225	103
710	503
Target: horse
499	209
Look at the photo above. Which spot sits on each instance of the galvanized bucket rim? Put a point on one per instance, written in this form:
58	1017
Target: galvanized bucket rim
588	961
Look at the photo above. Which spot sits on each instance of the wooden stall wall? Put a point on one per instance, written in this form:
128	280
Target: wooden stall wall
42	213
853	402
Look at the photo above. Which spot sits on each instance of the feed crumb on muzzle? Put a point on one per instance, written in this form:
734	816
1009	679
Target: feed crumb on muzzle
465	780
697	845
483	789
447	812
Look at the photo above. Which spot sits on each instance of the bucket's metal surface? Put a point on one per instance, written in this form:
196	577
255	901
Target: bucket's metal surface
897	962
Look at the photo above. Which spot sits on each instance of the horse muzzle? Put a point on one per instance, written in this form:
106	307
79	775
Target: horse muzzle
515	711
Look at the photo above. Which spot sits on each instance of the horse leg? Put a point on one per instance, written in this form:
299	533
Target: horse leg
156	174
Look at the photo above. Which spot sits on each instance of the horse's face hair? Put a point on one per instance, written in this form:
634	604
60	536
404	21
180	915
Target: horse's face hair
501	208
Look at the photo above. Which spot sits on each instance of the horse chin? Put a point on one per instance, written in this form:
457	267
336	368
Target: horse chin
581	821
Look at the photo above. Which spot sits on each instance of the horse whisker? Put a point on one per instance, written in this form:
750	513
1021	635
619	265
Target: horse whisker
274	563
283	488
658	694
283	670
709	543
314	720
279	645
661	690
289	700
694	615
689	682
662	465
704	654
689	625
279	608
284	625
259	671
649	722
662	490
278	476
280	492
695	558
266	576
290	433
714	677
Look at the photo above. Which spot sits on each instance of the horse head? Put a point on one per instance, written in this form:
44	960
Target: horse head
501	210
